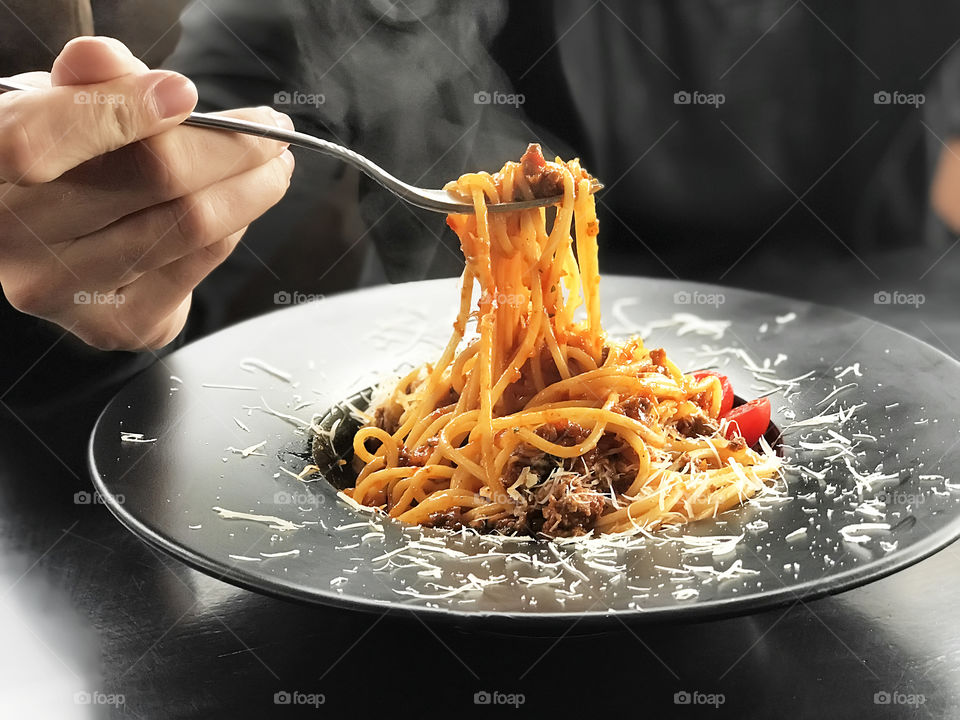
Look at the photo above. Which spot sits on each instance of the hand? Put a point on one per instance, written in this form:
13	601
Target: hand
945	187
111	212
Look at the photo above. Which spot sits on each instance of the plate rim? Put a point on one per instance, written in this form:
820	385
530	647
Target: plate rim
705	610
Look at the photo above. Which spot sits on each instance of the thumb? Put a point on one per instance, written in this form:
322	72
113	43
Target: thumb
87	60
45	132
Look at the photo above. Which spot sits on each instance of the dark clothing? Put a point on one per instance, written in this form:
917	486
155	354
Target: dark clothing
691	187
741	141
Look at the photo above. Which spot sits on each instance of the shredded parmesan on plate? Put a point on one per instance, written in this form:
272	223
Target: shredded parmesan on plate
132	437
248	451
251	364
289	553
272	521
856	533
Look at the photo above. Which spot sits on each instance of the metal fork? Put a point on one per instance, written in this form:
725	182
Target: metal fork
436	200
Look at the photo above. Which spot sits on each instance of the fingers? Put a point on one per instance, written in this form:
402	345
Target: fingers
164	233
87	60
161	294
44	133
151	312
46	282
111	326
167	166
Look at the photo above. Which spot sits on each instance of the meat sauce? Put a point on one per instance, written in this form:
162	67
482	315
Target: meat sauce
544	180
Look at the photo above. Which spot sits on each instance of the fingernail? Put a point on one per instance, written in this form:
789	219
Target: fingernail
288	160
282	120
174	95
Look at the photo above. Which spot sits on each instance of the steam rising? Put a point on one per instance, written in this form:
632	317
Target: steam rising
412	86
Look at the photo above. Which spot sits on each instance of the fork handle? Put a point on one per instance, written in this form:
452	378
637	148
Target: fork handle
309	142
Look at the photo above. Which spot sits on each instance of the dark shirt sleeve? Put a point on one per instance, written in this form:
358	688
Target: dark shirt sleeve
943	104
245	54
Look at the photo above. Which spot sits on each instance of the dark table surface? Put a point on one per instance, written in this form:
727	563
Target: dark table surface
91	616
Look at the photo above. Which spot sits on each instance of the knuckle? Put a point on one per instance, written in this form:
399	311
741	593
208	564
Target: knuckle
104	339
156	165
195	220
134	254
150	328
217	252
120	123
29	297
281	174
107	332
160	337
258	148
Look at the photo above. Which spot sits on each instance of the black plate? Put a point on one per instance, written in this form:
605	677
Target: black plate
165	490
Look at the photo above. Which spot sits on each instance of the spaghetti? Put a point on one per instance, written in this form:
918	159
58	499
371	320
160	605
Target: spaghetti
539	423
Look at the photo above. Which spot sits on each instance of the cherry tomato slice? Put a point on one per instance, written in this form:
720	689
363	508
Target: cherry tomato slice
727	402
749	420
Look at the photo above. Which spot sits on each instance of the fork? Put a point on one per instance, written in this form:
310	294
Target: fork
429	199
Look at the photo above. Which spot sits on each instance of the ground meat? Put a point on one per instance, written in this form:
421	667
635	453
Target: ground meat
451	519
545	181
604	354
386	419
564	433
658	358
611	462
418	456
736	444
571	503
569	507
635	407
695	426
510	525
541	463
